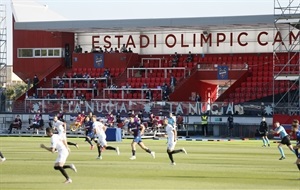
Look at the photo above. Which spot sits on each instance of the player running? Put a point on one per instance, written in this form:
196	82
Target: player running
89	131
285	139
296	131
263	132
60	127
137	130
172	139
99	129
59	144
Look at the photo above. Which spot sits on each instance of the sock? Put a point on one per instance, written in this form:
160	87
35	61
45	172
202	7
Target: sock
89	141
133	152
110	148
281	151
297	153
298	165
66	166
99	150
70	143
1	155
294	152
267	140
148	150
171	156
264	141
62	170
176	151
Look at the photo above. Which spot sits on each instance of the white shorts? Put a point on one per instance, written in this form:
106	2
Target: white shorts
62	156
171	144
102	140
63	136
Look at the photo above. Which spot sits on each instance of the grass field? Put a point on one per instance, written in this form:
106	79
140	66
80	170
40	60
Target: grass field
208	165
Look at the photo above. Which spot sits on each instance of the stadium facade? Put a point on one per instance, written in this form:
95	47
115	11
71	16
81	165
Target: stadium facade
233	67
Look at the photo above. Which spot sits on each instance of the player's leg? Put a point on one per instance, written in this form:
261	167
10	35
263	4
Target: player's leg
291	148
281	151
110	147
59	165
142	145
88	139
267	139
73	144
100	149
2	158
264	140
170	149
133	149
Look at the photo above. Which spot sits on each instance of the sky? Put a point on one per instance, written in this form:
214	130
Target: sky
128	9
134	9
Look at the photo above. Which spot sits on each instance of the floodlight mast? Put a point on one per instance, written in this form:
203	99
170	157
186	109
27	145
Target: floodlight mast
3	45
286	58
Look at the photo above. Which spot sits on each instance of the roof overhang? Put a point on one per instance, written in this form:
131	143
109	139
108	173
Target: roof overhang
229	23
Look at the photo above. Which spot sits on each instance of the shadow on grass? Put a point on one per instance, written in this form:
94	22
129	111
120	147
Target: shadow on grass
26	182
219	177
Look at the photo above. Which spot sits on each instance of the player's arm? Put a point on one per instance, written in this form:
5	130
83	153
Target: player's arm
66	144
277	131
104	127
64	124
50	149
175	134
142	129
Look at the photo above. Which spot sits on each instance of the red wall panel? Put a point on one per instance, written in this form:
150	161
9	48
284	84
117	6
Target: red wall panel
193	84
28	67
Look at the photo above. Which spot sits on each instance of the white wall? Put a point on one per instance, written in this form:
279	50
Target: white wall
221	41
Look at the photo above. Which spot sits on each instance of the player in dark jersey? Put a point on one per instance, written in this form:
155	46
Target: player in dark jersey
137	130
296	131
263	131
89	132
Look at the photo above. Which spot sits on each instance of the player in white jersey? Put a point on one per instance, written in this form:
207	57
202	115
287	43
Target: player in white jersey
60	127
60	145
99	129
172	139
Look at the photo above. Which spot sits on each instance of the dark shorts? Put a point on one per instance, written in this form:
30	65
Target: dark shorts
297	153
91	135
286	140
137	139
262	134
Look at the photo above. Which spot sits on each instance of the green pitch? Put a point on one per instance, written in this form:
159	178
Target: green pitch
208	165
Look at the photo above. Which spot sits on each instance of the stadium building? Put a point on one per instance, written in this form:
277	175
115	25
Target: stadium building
243	65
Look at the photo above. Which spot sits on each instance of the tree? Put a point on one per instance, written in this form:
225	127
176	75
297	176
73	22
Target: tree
15	91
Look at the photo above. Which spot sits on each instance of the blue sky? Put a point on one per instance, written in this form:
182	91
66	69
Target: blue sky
130	9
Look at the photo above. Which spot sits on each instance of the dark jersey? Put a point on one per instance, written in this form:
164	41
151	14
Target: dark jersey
263	127
89	127
135	127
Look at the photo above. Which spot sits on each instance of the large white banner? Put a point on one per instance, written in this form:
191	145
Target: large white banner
198	42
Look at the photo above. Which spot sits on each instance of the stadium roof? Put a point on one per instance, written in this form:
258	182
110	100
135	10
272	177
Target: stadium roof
30	15
140	25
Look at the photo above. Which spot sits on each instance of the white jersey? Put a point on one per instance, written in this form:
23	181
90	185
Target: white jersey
171	141
57	143
99	127
170	132
59	125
